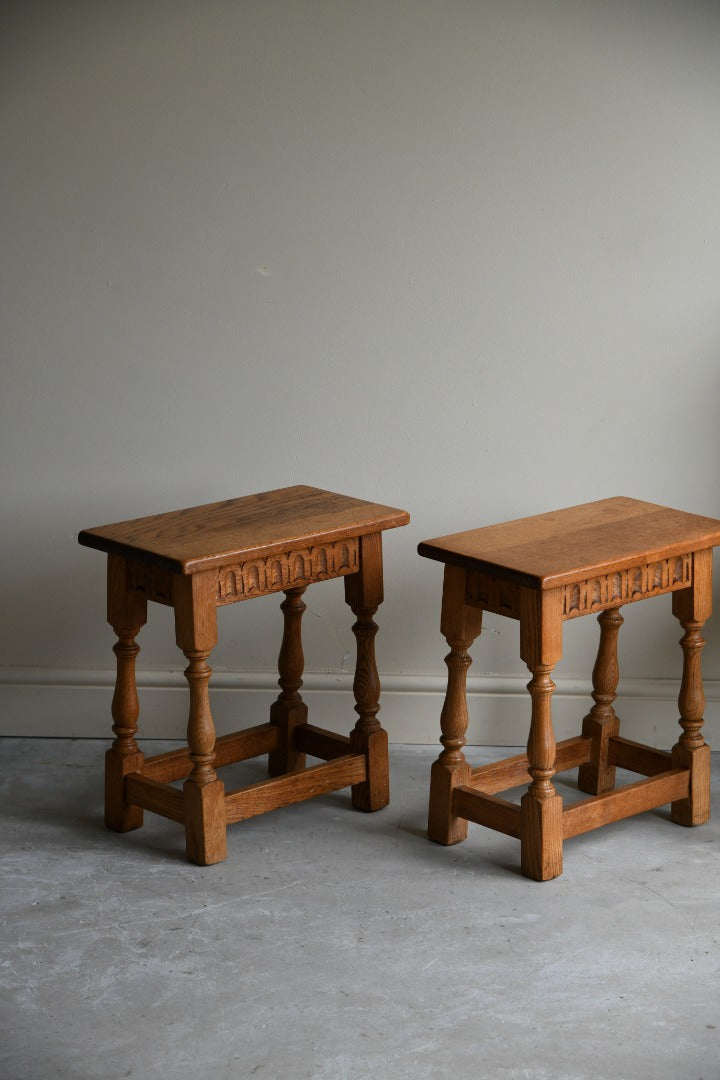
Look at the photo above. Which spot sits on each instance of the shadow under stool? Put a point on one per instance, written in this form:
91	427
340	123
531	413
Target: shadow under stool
544	571
196	560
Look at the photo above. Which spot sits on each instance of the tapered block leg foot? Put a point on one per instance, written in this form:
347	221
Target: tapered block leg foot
285	758
119	815
460	626
692	607
601	724
205	825
203	792
541	826
597	776
289	711
127	613
541	837
444	827
695	810
364	594
374	792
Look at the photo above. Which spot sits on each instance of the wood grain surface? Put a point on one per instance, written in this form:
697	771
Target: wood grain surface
566	546
204	537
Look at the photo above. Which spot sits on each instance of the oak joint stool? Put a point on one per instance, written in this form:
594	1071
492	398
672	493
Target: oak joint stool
543	571
196	560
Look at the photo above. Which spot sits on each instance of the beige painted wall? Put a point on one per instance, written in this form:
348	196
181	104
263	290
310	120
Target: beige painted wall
459	257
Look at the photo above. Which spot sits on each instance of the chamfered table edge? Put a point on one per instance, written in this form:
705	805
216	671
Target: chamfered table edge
92	539
553	581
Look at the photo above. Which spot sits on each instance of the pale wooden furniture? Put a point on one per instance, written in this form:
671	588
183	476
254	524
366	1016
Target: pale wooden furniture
196	560
543	571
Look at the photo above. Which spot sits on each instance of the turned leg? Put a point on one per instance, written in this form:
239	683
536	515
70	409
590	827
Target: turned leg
127	613
541	807
289	710
364	594
203	792
692	607
601	723
460	625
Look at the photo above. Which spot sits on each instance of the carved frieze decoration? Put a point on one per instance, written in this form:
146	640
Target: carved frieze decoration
301	566
626	586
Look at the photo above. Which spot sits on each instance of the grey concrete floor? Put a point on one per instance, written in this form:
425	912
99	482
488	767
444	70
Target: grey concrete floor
333	945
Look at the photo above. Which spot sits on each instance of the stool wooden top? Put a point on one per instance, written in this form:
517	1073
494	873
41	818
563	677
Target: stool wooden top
566	546
205	537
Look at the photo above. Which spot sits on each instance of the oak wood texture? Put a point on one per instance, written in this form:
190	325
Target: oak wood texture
295	787
633	799
691	751
320	743
514	771
364	594
238	746
460	624
543	571
195	560
602	723
636	757
289	711
236	530
570	545
143	791
127	614
489	810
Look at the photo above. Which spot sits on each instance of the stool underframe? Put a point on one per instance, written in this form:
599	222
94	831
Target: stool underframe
135	783
681	777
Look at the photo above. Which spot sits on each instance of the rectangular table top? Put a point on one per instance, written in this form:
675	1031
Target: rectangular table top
206	537
565	546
